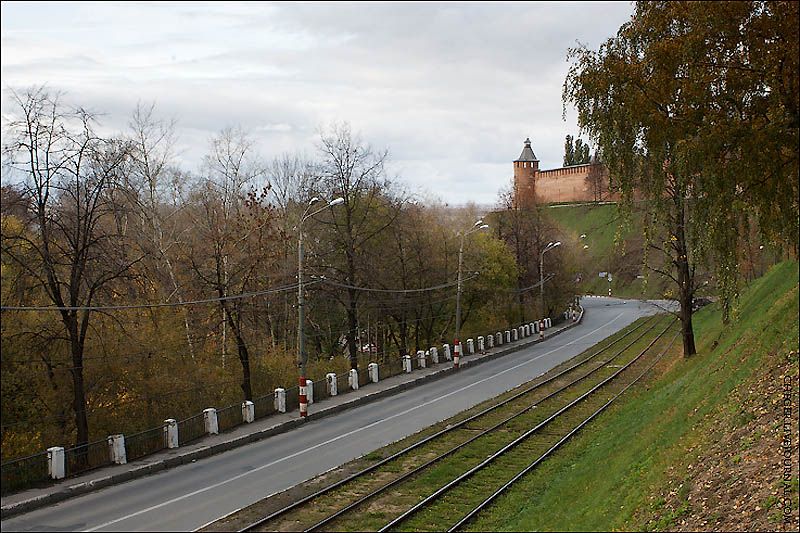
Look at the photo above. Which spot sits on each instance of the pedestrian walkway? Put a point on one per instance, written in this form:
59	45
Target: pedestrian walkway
31	499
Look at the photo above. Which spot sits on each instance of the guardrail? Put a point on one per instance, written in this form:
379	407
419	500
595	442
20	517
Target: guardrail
26	472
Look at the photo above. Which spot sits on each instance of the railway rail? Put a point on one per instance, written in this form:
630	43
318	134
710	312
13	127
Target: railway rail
552	409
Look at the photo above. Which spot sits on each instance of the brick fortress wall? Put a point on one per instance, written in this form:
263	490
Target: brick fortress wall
565	184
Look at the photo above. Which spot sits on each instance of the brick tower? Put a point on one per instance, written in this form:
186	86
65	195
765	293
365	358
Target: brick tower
526	169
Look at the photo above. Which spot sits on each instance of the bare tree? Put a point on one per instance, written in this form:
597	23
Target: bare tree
597	179
233	234
72	247
158	186
352	170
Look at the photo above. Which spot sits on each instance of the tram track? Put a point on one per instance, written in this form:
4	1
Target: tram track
501	423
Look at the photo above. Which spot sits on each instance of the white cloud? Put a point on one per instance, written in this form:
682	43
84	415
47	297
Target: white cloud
451	89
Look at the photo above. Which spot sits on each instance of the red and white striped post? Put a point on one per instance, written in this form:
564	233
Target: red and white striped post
456	352
303	397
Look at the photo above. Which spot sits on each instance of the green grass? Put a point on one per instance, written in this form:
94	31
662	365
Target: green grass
606	478
607	237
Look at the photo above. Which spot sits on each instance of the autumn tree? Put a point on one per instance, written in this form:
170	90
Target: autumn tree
70	244
694	106
350	169
233	243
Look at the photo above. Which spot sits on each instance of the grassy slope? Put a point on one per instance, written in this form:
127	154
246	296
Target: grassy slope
605	237
638	465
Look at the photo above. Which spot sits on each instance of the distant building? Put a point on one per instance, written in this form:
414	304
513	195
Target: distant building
577	183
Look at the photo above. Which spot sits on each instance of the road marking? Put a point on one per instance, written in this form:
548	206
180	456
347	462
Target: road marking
344	435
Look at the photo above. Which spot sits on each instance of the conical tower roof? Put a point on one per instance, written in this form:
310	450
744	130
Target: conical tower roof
527	153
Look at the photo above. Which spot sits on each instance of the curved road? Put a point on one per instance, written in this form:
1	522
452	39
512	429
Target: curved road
190	496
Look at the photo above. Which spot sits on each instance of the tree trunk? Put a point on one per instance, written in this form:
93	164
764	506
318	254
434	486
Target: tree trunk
79	406
685	283
244	354
352	322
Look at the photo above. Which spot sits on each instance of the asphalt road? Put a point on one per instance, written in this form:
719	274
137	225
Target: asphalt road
190	496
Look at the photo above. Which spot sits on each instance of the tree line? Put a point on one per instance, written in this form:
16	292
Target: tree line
134	290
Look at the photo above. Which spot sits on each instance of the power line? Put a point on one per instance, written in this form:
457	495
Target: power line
401	291
148	306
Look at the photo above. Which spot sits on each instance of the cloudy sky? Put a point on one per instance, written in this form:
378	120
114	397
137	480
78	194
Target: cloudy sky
451	90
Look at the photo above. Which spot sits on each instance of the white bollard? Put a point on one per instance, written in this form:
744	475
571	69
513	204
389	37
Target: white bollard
525	331
508	336
333	387
535	326
280	400
407	363
434	355
373	372
514	335
421	359
116	449
310	391
248	411
457	348
490	341
352	379
210	419
56	462
549	322
470	347
171	432
446	350
498	338
481	344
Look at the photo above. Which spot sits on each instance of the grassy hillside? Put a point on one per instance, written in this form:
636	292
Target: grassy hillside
612	247
698	447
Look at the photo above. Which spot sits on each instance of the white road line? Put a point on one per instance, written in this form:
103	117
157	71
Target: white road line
325	443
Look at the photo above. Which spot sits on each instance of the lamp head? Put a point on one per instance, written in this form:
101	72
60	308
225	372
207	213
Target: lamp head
314	199
337	201
478	223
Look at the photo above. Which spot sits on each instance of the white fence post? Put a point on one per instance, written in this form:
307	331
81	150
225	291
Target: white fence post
421	362
248	412
333	387
508	336
514	335
55	462
310	391
446	350
352	378
407	363
373	372
116	449
280	400
171	432
481	345
210	419
490	341
470	346
434	355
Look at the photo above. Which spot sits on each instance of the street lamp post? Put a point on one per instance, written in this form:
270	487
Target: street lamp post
302	356
547	248
479	225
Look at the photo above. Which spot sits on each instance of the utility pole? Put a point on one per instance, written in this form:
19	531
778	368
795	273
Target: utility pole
479	225
547	248
302	356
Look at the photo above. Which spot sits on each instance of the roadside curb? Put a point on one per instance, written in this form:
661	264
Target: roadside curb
82	488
